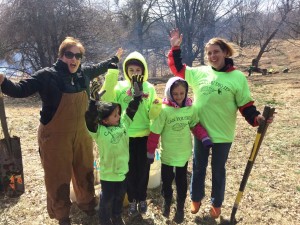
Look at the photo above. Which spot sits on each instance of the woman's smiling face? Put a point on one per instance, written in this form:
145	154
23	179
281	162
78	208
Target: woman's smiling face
74	62
216	56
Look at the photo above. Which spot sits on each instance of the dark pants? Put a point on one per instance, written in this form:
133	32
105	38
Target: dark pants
200	160
111	199
168	173
139	168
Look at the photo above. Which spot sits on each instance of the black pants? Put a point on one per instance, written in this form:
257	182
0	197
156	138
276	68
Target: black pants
138	174
168	173
111	199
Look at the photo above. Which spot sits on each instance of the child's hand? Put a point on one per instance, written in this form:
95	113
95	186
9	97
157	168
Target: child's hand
119	53
137	81
95	95
175	37
207	143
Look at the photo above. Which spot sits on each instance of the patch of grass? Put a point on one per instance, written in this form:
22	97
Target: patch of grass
280	149
298	188
273	102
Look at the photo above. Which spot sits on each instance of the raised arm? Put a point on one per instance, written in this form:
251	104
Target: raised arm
91	115
174	56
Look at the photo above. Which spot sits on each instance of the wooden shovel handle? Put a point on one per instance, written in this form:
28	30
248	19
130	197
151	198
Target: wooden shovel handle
3	119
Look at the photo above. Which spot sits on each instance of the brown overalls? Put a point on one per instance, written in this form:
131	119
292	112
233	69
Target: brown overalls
67	153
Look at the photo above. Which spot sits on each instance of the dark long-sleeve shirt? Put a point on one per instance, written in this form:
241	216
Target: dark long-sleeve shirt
52	82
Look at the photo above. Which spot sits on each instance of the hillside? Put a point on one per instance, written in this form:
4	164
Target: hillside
272	194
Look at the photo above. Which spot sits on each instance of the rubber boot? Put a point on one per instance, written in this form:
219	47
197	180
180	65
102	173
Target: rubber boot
179	215
166	207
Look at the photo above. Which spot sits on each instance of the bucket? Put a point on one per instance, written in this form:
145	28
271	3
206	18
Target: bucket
154	175
73	196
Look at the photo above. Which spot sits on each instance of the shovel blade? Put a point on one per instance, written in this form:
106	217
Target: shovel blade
11	167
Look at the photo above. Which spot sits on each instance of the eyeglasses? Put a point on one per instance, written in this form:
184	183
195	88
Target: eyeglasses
70	55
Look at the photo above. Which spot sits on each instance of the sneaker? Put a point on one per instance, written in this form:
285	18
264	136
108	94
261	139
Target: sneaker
179	216
117	220
166	208
195	206
215	212
142	206
132	208
64	221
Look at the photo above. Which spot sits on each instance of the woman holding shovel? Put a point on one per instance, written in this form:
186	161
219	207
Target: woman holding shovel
219	91
64	142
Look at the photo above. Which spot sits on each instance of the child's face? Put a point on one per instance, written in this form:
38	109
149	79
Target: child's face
114	118
134	70
178	93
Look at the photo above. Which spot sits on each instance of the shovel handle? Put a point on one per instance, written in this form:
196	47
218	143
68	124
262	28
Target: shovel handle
3	120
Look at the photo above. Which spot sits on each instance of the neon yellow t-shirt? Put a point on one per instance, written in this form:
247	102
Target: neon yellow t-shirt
217	96
113	146
174	124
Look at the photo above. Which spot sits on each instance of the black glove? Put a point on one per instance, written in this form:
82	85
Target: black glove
95	91
112	66
137	82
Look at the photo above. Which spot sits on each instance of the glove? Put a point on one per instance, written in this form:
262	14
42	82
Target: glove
112	66
150	160
137	81
95	90
207	143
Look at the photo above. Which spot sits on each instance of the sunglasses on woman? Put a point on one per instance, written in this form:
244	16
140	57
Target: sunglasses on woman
70	55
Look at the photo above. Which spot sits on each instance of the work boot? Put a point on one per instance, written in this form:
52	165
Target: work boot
195	206
117	220
166	207
179	215
215	212
105	221
64	221
90	212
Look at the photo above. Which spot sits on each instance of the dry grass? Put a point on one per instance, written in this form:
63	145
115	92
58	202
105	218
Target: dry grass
272	194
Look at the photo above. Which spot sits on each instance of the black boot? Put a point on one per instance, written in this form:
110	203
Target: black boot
179	215
166	207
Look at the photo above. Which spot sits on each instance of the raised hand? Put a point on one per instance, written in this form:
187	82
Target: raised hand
95	90
175	37
119	53
137	82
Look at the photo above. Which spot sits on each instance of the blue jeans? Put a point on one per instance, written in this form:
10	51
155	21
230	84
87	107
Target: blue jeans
111	199
200	160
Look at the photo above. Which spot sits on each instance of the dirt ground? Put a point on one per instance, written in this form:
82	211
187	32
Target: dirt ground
272	194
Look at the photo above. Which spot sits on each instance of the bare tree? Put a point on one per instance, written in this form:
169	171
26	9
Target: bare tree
292	30
241	22
33	29
137	19
268	26
197	20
